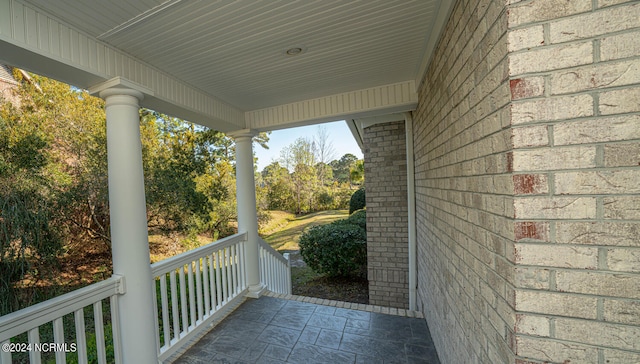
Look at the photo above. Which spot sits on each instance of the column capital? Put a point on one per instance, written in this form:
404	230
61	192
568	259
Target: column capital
244	133
120	86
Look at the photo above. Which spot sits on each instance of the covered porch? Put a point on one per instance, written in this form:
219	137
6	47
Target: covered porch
146	313
503	136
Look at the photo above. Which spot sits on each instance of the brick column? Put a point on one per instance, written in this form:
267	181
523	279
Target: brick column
387	224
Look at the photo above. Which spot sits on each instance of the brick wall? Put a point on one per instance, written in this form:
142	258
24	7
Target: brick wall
527	152
387	232
574	69
464	190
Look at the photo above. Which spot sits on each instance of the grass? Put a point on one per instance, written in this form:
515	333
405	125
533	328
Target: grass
278	220
287	237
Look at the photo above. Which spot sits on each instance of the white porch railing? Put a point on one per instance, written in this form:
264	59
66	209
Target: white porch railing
275	269
190	290
50	316
200	283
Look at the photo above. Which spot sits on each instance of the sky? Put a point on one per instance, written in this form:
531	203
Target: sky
339	135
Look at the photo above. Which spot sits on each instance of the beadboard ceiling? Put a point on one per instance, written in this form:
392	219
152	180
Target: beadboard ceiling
236	50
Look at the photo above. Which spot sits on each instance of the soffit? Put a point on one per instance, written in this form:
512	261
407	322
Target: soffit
235	50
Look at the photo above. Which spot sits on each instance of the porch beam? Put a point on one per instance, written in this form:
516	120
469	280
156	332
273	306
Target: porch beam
365	103
129	236
247	214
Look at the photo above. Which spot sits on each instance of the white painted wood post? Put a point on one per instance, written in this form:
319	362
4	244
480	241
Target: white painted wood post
129	236
247	215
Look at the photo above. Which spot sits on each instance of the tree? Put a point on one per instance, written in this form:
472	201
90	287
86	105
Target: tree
280	188
356	172
324	152
342	168
324	146
27	202
300	157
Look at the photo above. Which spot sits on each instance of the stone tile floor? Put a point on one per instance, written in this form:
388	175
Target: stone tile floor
276	330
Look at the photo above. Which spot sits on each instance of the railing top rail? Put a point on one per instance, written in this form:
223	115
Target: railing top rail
31	317
263	244
167	265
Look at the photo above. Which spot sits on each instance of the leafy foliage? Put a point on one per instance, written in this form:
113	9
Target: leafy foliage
303	181
53	180
26	203
357	201
337	249
358	218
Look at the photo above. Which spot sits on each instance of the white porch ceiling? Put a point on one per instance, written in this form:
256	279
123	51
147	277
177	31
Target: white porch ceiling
234	51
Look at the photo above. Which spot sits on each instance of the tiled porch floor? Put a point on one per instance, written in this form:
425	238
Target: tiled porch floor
276	330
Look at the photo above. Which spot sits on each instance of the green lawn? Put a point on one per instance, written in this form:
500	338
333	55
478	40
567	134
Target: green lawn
287	237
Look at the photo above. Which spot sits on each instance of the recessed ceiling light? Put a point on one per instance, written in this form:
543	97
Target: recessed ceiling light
294	51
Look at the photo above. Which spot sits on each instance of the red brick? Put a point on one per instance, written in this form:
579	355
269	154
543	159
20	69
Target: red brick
530	184
526	87
532	230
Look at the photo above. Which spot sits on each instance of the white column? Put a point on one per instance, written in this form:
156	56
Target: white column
129	237
247	215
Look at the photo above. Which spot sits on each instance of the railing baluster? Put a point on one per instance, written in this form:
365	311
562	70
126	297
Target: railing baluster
261	266
234	269
99	326
156	313
271	272
183	300
34	339
115	329
219	293
198	273
174	305
227	262
224	266
274	268
205	285
212	284
264	264
192	299
166	325
5	356
278	269
282	277
81	340
242	266
58	338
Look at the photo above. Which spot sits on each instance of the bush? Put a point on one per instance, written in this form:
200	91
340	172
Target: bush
358	218
336	249
357	201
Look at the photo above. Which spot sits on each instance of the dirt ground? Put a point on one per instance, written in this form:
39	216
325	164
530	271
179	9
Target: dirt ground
305	282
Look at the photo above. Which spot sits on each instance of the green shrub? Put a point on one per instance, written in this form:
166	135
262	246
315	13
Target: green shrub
336	249
358	218
357	201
